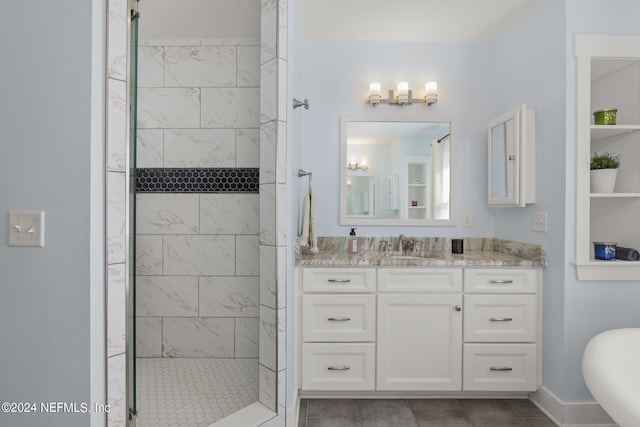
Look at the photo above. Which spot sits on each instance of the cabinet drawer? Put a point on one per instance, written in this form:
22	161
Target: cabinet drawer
499	367
338	317
420	280
502	280
336	280
338	366
499	318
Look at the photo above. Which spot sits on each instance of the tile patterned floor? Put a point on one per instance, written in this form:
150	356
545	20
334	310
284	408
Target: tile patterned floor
421	413
185	392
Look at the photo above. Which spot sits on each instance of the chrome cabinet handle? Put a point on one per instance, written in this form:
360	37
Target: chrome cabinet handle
458	308
504	369
338	368
339	319
500	281
501	319
339	280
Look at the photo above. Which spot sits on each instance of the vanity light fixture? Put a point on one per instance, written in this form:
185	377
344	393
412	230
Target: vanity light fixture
355	166
403	95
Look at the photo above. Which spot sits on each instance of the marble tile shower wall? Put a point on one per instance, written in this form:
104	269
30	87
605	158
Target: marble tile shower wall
197	256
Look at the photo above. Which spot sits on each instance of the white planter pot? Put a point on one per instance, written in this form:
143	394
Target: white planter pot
603	180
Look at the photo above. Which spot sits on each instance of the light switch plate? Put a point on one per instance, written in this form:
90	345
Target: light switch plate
540	221
26	228
467	219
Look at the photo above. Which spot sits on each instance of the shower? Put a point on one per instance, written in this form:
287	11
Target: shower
200	319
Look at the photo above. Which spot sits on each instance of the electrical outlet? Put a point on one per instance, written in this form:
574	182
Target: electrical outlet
467	219
540	221
26	228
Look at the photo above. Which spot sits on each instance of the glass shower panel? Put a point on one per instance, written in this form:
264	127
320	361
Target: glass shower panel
131	306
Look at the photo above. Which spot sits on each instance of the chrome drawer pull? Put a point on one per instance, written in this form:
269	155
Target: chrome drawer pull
338	368
339	319
505	369
501	319
500	281
339	280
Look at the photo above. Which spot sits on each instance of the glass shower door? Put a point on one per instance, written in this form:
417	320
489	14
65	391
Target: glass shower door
131	297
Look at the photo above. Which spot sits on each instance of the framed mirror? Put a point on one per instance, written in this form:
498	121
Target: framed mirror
396	170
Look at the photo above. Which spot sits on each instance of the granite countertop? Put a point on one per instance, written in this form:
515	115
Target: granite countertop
437	252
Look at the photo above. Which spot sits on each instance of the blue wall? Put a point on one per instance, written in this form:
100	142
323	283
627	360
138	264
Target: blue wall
51	159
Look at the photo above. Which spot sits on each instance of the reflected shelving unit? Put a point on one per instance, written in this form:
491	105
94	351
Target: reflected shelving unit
416	177
608	76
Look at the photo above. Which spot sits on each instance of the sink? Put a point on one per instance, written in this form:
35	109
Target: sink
612	374
417	255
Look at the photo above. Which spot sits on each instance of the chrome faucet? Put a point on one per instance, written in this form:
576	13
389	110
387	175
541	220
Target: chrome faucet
384	243
405	245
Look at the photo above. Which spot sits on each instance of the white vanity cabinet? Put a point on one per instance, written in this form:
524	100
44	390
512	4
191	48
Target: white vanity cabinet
500	330
421	330
338	329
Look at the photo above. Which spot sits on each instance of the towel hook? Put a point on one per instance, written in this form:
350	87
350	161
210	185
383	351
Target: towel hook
298	103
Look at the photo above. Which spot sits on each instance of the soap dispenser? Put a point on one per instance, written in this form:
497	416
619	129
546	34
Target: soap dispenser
352	245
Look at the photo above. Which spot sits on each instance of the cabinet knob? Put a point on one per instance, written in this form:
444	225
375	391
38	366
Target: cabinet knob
458	308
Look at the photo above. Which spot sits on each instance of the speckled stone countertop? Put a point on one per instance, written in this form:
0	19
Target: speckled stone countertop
434	251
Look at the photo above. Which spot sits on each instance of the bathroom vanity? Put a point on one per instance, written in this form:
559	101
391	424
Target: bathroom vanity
419	323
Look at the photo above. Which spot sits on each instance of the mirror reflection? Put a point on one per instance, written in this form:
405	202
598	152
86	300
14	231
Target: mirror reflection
498	153
395	170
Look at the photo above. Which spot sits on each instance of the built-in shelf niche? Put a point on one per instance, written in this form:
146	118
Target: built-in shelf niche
608	69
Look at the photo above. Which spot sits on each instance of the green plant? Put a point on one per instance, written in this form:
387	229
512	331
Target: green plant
605	161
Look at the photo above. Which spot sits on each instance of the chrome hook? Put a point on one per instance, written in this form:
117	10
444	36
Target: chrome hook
297	103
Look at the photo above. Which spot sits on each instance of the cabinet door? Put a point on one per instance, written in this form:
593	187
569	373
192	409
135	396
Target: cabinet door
419	342
511	163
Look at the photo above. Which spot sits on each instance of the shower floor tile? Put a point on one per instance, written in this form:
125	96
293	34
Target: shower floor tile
185	392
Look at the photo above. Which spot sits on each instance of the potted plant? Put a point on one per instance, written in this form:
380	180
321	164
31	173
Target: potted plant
604	169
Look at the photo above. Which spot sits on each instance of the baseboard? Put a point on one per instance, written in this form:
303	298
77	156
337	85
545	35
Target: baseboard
571	414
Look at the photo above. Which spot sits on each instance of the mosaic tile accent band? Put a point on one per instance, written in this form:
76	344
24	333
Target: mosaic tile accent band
197	180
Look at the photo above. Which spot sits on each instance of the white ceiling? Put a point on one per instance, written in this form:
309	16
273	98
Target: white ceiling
408	20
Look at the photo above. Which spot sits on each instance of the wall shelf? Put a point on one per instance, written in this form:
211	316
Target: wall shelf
614	195
607	270
599	132
606	68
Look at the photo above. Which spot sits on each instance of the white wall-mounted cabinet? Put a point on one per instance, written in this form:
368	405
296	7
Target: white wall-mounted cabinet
511	159
608	76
